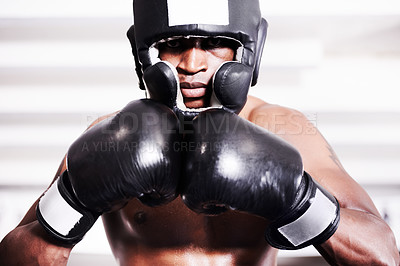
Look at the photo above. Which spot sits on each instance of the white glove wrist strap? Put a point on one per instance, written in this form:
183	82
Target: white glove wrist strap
61	216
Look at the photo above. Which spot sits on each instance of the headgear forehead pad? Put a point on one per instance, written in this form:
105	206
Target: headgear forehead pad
241	20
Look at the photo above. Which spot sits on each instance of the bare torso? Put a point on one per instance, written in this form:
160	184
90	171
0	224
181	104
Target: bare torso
174	235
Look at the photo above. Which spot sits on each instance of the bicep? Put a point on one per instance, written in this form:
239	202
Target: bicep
319	158
322	163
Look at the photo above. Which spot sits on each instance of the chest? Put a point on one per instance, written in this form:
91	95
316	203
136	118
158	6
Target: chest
176	225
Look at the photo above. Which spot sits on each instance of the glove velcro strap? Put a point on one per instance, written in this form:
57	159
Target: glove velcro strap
61	214
312	222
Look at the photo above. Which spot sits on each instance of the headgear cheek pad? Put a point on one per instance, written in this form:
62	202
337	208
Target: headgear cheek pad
156	20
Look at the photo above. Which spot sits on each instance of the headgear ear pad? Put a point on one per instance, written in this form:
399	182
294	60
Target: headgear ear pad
152	23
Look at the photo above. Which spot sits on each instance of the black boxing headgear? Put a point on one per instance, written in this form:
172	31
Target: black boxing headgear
160	20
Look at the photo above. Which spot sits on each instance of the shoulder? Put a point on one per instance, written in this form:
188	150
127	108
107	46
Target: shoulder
276	118
319	159
292	126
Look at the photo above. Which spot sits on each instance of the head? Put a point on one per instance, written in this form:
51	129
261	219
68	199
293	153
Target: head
191	60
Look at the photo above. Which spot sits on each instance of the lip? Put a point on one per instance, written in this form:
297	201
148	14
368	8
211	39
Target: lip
193	89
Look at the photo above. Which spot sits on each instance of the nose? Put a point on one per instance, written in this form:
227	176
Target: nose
193	60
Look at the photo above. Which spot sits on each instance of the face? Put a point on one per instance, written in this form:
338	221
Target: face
196	60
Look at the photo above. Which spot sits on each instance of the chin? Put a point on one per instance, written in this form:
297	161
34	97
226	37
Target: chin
196	104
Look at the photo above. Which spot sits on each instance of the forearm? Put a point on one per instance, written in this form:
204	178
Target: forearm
361	239
30	245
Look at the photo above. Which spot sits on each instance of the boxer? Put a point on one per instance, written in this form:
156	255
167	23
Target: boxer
230	178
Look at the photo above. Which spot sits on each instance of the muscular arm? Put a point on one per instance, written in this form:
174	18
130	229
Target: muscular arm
29	244
362	237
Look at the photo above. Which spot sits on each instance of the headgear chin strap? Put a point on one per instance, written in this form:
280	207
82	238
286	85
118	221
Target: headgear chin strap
156	20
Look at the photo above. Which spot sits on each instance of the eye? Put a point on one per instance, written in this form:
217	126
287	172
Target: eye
173	43
214	42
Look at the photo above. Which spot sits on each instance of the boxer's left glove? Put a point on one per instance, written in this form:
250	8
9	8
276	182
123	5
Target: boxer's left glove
234	164
126	156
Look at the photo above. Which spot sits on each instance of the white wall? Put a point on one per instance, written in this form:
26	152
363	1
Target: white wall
64	63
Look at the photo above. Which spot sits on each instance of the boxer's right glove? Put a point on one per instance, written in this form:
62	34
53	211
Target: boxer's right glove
237	165
126	156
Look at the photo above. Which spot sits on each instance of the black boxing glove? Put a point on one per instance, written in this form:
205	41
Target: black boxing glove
234	164
129	155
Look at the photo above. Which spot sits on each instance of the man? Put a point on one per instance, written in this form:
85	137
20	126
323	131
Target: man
202	68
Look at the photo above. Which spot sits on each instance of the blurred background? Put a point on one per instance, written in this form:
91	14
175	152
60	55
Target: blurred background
65	63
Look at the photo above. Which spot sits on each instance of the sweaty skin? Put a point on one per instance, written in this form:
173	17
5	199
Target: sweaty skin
174	235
